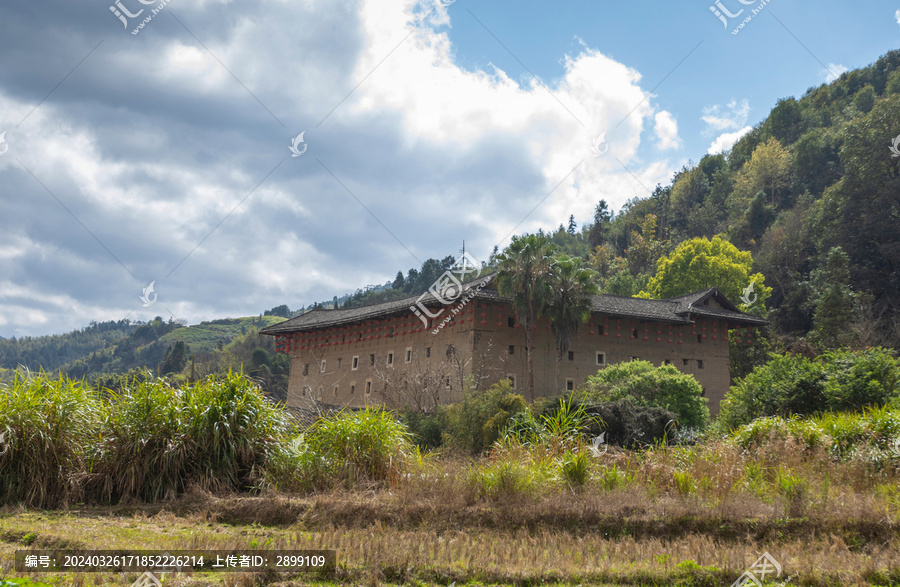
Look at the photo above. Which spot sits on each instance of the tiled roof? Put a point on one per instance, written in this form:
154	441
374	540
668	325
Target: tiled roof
682	309
320	318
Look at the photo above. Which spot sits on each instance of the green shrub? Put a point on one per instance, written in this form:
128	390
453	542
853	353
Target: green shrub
630	425
643	384
475	423
561	426
612	478
574	468
795	491
425	428
506	478
860	379
348	448
869	436
47	425
684	482
786	385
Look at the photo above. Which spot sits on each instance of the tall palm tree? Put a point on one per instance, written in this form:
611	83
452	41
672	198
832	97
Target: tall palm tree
523	269
569	305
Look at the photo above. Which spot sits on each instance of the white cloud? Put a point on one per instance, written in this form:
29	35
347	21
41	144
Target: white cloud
833	71
727	140
666	130
436	152
897	16
732	116
457	109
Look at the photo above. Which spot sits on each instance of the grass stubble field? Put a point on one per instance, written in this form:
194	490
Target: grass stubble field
821	496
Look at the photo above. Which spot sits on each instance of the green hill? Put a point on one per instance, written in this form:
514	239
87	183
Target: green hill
215	334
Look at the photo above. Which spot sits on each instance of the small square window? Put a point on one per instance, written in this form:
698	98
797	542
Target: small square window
372	360
570	384
368	388
571	355
685	362
447	381
634	333
323	365
601	358
334	391
354	364
667	362
510	321
390	359
699	339
306	369
339	363
699	363
428	351
601	329
409	355
512	349
512	381
305	391
352	390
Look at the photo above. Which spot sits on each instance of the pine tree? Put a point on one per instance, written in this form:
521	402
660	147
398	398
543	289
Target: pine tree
834	307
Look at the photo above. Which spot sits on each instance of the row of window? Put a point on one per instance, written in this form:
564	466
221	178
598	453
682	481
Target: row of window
354	362
601	358
601	330
307	390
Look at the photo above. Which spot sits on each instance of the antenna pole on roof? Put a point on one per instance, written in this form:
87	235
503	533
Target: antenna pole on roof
463	250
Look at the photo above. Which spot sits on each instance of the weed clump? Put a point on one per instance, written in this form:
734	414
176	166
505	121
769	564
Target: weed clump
347	449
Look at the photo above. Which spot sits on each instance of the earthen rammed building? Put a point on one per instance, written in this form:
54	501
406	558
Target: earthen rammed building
387	354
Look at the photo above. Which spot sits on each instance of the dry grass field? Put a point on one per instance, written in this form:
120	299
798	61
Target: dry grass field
225	471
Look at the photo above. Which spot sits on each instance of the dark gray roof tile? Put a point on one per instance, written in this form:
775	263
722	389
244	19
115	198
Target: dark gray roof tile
681	309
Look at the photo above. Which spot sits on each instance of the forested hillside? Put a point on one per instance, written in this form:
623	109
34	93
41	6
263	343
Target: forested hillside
812	192
53	351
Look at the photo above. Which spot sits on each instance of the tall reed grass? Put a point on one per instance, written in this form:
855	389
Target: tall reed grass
150	441
46	425
158	439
